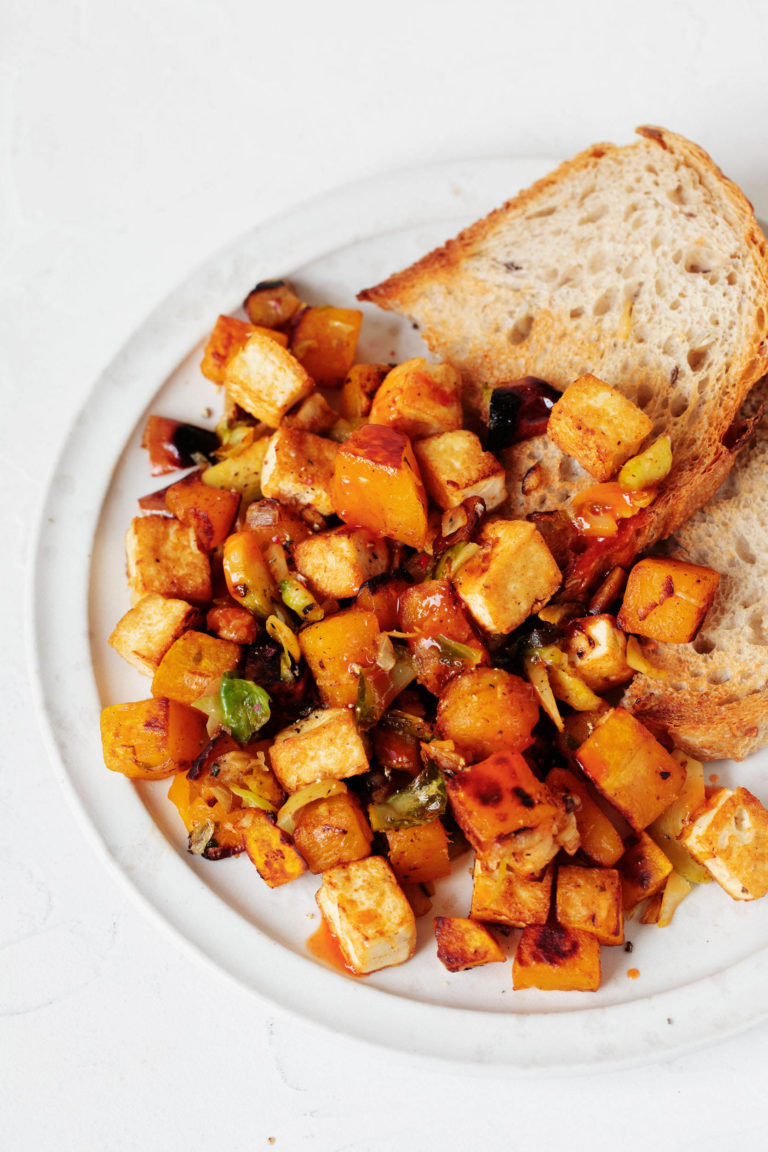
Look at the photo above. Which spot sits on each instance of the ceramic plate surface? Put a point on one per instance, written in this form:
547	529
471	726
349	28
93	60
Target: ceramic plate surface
704	977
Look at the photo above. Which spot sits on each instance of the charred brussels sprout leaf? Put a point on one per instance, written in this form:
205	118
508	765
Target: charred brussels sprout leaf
424	799
244	706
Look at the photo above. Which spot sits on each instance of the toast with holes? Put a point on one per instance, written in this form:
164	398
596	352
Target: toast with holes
642	265
712	696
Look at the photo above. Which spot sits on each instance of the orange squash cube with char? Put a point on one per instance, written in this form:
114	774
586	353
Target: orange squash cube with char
382	597
590	899
419	854
331	831
501	896
358	389
644	870
504	810
630	768
463	943
486	710
555	958
324	341
191	664
336	649
599	838
151	739
419	399
666	599
209	512
269	849
228	336
432	610
377	485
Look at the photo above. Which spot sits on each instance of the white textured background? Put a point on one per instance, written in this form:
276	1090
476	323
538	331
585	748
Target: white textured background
135	138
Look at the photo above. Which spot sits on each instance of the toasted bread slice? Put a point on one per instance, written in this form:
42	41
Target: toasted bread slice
642	265
712	698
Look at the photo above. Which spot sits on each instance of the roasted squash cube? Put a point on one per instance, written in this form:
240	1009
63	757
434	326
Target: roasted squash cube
599	838
598	426
500	895
419	399
268	848
487	710
667	599
298	469
513	575
383	599
504	810
208	511
145	633
377	485
151	739
419	854
454	467
324	341
368	914
338	562
463	944
630	768
163	556
228	336
332	831
597	649
730	838
265	379
555	958
358	389
336	649
326	745
590	899
193	662
432	616
240	472
644	870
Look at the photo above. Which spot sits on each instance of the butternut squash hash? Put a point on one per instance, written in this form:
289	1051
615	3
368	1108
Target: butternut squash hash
362	668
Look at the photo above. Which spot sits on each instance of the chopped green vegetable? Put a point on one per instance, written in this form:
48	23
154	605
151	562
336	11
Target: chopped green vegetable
252	799
454	652
374	697
300	600
244	706
453	558
424	799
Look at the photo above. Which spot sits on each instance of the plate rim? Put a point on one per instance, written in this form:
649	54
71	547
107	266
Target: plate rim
517	1043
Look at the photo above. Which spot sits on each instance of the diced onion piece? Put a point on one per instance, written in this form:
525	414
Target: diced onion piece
286	817
637	660
648	468
536	674
675	890
284	635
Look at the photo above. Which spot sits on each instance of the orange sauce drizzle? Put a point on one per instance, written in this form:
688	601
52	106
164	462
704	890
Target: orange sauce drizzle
633	973
324	946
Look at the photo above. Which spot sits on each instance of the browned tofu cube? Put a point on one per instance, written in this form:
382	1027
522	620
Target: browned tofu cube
631	769
590	899
298	469
419	855
504	811
644	870
555	958
501	896
368	914
324	746
228	337
146	632
463	944
598	426
164	557
667	600
597	649
512	576
419	399
265	379
338	562
730	838
454	467
314	414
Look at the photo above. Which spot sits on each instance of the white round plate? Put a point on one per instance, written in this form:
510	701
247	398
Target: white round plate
704	977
